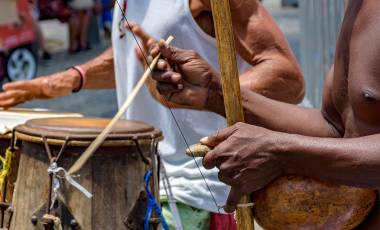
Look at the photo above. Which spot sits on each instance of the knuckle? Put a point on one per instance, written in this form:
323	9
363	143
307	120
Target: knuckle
12	101
240	125
192	53
236	156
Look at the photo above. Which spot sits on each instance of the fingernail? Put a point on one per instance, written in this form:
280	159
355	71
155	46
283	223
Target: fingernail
204	140
161	63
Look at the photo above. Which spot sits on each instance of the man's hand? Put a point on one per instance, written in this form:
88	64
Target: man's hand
245	157
56	85
185	78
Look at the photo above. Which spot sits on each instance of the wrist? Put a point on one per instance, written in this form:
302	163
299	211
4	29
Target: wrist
78	74
284	147
75	79
215	102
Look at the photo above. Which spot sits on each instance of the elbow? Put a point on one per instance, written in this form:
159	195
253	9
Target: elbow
290	82
296	85
286	84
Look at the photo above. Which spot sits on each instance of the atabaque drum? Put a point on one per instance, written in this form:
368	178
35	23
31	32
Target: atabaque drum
297	203
114	175
9	119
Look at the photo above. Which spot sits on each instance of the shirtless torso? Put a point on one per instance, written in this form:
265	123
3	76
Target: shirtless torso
352	101
352	93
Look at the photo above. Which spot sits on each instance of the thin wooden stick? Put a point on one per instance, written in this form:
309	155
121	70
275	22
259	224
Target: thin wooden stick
103	135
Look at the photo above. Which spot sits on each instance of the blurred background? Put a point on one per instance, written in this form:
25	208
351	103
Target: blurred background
37	39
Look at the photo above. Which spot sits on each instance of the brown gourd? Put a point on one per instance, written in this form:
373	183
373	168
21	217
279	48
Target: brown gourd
295	202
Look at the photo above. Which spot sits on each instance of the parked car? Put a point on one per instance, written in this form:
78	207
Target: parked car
18	41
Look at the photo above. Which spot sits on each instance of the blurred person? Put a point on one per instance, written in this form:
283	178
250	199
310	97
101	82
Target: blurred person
107	8
81	12
266	65
40	36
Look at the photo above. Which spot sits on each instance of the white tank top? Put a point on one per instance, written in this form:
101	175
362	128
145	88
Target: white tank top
162	18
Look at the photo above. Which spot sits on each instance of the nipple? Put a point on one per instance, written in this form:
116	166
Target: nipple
368	96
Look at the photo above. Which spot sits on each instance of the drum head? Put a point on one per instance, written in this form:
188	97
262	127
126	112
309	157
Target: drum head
10	118
84	130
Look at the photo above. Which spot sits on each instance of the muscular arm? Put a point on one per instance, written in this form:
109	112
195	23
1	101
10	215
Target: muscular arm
350	161
280	116
99	75
100	72
275	72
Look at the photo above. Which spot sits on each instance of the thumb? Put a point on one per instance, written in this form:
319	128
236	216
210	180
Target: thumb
173	54
233	199
218	137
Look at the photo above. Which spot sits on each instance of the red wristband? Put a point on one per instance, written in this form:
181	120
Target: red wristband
82	74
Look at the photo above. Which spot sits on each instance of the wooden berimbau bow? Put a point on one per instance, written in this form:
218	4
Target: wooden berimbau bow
231	87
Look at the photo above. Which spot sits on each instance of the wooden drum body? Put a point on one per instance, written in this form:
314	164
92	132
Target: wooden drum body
114	175
9	119
298	203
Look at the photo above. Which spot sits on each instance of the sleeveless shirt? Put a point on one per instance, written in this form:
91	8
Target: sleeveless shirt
161	18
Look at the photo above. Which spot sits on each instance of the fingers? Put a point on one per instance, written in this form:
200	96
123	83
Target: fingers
12	98
146	39
164	48
162	65
140	55
154	50
167	77
165	88
233	199
219	136
217	155
175	55
18	85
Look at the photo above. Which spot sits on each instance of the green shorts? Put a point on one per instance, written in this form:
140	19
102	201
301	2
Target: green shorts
191	218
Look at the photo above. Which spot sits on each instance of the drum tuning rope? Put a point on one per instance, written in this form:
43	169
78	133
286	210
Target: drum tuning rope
6	162
139	149
57	173
170	109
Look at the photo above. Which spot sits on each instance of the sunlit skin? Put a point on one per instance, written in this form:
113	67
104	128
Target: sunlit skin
339	143
274	72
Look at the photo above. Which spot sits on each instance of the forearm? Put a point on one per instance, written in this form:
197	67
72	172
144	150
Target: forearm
349	161
100	73
272	114
284	117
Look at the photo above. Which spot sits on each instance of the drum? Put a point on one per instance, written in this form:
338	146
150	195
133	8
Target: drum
8	120
114	174
294	202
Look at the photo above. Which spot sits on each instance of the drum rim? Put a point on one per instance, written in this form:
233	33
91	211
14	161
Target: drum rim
31	134
83	142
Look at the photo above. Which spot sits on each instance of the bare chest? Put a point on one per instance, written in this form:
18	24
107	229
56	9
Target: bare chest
356	86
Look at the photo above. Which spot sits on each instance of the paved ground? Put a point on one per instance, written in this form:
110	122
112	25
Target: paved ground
103	103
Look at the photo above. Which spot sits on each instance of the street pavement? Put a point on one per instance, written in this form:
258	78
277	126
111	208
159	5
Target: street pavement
102	103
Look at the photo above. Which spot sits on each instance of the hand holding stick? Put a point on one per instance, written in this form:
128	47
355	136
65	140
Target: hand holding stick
103	135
